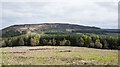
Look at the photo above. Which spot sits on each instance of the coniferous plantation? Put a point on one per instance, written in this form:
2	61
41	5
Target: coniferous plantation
80	40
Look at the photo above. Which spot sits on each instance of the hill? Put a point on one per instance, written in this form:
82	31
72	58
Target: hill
48	28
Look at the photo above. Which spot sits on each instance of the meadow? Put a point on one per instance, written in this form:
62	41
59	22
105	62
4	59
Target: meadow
58	55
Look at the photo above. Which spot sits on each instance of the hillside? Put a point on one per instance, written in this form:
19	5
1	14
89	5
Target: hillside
48	28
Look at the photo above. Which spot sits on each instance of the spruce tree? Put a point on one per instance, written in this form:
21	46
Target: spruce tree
21	42
80	42
105	44
53	42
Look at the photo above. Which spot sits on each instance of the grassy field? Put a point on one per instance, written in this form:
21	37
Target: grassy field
58	55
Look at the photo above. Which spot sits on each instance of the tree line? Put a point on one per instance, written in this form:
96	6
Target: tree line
81	40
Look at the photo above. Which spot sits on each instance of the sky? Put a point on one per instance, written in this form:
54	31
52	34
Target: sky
99	13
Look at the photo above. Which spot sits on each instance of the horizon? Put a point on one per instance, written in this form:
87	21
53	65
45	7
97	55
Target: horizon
51	23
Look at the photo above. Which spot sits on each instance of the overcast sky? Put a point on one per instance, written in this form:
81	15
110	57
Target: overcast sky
99	14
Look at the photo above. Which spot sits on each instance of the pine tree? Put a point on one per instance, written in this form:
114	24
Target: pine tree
85	39
105	44
53	42
21	42
80	42
14	41
89	41
26	40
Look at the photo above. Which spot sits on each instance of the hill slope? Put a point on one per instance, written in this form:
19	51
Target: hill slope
48	28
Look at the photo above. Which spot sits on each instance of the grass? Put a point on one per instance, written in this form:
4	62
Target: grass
54	56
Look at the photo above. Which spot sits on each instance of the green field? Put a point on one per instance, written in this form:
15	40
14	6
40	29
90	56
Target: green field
58	55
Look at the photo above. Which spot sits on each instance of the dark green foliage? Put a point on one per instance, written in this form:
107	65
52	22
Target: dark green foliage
44	41
53	42
20	42
67	43
89	41
86	40
26	40
52	28
12	32
49	42
34	41
10	43
105	44
82	40
3	43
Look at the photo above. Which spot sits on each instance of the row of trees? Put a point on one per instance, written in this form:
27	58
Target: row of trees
82	40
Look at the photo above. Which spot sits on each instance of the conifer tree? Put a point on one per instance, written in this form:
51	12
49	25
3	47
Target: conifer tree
105	44
53	42
21	42
80	42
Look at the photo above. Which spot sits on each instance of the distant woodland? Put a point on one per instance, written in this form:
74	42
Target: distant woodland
80	40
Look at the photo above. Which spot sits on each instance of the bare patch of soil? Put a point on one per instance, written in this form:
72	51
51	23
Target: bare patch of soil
43	49
13	52
65	51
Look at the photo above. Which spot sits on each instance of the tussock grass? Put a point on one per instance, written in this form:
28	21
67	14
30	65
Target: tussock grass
58	55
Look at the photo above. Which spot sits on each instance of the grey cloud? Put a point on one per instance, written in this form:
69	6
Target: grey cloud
94	14
111	5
